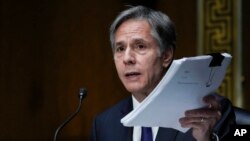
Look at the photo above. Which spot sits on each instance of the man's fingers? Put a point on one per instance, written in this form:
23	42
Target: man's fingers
204	112
187	120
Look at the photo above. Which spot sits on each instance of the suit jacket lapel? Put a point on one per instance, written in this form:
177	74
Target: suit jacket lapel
166	134
128	107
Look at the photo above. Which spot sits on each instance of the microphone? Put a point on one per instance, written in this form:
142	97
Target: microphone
82	95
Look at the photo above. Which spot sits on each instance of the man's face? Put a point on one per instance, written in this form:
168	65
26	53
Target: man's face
137	57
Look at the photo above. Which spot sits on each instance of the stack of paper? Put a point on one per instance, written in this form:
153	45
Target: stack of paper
182	88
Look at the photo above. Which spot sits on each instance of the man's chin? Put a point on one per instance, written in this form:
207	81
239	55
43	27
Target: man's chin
134	90
134	87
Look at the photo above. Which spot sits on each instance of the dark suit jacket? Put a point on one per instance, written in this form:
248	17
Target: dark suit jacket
107	126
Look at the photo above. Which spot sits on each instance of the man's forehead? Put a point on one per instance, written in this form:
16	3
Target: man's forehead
137	29
133	25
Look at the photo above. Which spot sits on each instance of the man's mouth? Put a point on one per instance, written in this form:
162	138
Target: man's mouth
132	74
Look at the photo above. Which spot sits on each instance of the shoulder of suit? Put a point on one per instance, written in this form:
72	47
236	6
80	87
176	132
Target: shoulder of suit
118	107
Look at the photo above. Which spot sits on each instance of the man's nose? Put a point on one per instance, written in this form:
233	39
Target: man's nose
129	56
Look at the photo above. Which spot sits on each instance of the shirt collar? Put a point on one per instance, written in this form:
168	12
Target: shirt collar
135	102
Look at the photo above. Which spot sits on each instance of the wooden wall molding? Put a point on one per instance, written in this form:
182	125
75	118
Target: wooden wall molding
219	30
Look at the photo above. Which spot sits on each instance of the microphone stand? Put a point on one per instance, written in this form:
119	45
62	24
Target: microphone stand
82	95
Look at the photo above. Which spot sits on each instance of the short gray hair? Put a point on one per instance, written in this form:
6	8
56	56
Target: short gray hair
163	29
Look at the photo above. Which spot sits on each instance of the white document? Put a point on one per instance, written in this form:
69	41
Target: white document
182	88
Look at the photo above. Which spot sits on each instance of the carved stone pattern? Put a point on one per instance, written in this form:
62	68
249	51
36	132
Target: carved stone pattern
218	36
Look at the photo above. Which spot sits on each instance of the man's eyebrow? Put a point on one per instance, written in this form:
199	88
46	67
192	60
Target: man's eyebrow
119	43
139	40
136	40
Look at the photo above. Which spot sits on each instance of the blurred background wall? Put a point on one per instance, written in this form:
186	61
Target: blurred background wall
51	48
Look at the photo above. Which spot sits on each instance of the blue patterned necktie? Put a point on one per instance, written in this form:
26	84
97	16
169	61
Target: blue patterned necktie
146	134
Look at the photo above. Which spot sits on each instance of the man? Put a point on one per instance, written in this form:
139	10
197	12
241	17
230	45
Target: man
143	44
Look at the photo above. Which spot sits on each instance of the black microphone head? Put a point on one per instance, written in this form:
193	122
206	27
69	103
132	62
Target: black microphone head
82	93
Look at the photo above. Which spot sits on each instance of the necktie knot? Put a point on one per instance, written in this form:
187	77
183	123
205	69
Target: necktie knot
146	134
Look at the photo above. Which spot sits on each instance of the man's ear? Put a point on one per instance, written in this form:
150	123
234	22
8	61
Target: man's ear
167	57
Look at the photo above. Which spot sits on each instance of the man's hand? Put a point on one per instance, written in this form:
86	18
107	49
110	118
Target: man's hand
203	120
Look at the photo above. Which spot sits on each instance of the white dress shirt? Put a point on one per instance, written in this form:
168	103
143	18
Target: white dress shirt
137	129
